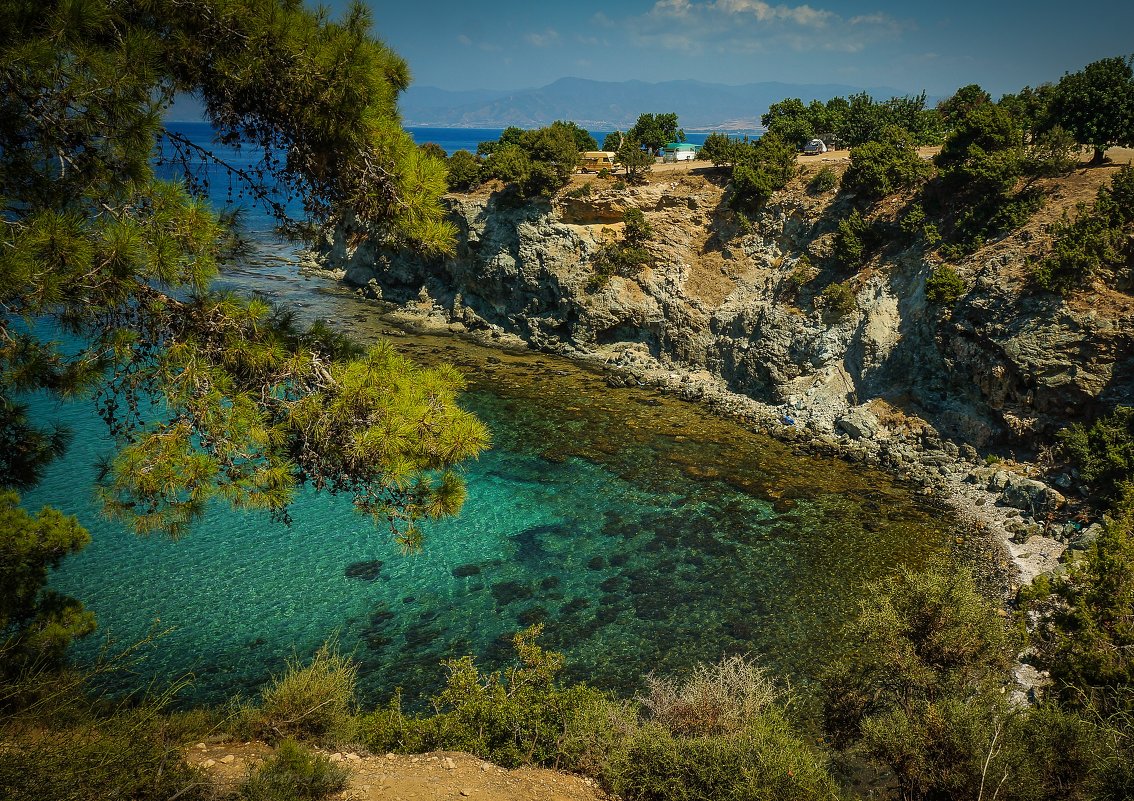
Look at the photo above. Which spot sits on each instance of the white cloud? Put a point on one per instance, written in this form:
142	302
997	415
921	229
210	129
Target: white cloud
466	41
548	37
751	25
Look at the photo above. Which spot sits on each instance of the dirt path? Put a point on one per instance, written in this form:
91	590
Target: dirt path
424	777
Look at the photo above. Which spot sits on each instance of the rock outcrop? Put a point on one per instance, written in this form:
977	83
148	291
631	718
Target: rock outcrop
738	302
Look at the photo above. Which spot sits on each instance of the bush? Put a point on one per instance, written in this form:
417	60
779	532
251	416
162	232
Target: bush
823	181
853	240
715	699
764	760
1103	452
760	169
465	171
626	256
1052	153
1097	240
516	718
837	301
882	167
803	273
944	286
315	701
538	161
920	691
581	192
1090	646
294	773
70	750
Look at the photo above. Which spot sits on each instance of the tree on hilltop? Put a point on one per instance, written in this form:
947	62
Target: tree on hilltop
208	396
655	131
1096	105
637	160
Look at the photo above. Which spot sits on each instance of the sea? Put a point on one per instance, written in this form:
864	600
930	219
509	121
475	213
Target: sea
643	533
454	139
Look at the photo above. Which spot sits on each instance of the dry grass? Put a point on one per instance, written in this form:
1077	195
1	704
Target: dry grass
715	699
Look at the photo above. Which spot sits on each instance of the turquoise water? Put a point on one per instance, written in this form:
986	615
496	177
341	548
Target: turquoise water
645	534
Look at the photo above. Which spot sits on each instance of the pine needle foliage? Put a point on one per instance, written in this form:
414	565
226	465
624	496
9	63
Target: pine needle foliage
209	397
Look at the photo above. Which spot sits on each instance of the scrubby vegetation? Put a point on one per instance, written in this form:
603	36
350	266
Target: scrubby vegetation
837	301
294	773
536	162
625	256
1096	242
854	239
944	285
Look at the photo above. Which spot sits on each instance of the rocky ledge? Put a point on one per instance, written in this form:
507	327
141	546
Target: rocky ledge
731	312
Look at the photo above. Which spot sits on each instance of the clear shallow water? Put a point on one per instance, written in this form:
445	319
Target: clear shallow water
644	533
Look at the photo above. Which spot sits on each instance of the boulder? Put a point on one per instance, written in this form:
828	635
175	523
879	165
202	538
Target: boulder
1030	495
859	423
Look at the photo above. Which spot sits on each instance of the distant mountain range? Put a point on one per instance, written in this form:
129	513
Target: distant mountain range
610	105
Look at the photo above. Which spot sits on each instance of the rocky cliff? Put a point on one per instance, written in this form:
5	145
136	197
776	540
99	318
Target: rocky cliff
737	302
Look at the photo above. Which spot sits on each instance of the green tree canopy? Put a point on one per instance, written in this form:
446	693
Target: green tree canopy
720	148
537	161
207	396
583	139
613	141
654	131
885	165
631	156
962	102
760	168
464	171
1096	104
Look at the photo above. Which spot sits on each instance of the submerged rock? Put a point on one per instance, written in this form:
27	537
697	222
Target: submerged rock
364	571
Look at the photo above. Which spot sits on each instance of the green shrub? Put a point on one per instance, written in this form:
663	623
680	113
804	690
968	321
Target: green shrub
1103	452
465	171
760	169
315	701
1090	645
76	752
837	301
1053	152
626	256
537	162
944	286
882	167
853	241
580	192
763	760
823	181
803	273
1096	240
294	773
520	717
980	165
920	691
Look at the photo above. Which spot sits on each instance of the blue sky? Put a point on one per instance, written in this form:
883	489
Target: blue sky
512	44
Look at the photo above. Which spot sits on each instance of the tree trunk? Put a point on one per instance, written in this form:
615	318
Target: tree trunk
1100	156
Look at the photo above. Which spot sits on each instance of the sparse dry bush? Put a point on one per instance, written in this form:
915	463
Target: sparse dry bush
714	699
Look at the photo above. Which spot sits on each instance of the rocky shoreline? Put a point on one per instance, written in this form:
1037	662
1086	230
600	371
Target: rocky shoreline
1026	526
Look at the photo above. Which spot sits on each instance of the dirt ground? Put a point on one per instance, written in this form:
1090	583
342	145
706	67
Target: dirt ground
399	777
